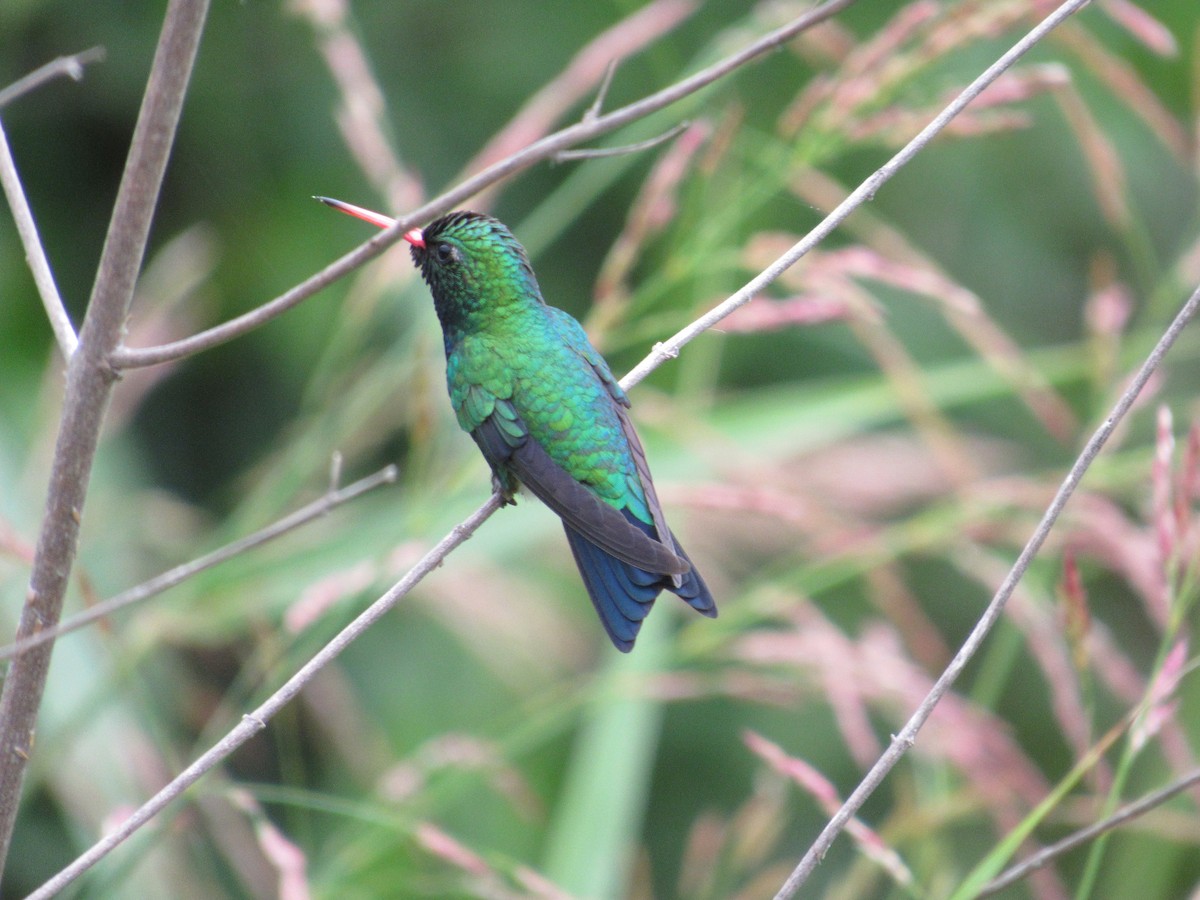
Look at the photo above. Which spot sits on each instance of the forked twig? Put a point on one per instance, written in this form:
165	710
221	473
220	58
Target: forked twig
330	500
593	111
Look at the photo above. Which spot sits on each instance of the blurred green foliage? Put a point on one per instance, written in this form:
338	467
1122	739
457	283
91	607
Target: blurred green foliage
853	490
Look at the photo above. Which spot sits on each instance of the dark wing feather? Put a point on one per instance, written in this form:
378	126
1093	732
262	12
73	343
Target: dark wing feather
579	508
643	470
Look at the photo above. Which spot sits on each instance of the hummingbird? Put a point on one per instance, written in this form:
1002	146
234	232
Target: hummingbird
546	412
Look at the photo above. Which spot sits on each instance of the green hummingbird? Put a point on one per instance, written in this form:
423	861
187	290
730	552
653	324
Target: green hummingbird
540	401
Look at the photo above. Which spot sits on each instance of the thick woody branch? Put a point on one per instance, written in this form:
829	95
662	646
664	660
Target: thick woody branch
89	385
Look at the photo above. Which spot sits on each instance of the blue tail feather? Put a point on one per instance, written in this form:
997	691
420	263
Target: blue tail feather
623	594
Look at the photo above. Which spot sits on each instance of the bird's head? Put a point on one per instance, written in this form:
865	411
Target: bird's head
472	259
471	262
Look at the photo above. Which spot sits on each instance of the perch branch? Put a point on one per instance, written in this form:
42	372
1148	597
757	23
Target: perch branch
256	721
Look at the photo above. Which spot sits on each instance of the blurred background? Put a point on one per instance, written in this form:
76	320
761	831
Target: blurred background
853	461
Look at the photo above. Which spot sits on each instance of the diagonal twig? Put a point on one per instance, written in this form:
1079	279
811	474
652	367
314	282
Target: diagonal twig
1125	814
907	737
903	741
670	348
593	111
35	253
330	500
546	148
68	66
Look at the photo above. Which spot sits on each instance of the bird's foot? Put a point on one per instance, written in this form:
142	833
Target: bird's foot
506	493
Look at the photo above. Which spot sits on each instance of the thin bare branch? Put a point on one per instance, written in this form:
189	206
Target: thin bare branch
546	148
594	62
332	499
908	735
35	253
69	66
602	152
89	385
256	721
670	348
1120	817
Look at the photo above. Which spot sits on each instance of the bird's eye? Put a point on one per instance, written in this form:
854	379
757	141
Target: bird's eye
445	253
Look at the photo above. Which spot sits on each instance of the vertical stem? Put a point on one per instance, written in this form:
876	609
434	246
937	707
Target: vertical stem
90	380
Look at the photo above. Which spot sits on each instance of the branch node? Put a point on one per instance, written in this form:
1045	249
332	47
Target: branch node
602	152
666	351
335	471
70	66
